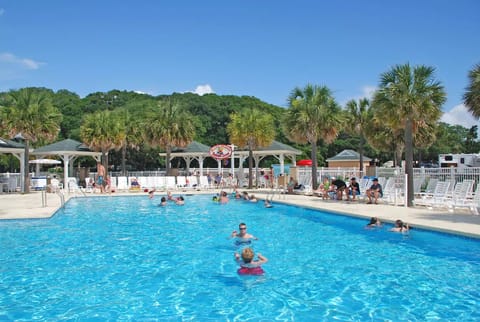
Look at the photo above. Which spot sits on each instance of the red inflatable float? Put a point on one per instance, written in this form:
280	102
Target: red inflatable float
250	271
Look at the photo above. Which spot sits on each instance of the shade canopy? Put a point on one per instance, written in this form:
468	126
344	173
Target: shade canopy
304	163
45	161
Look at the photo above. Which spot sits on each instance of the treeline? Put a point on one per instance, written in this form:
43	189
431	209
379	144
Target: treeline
211	114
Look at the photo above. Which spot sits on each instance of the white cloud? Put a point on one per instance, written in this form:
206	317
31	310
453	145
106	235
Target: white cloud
367	91
24	62
459	115
203	89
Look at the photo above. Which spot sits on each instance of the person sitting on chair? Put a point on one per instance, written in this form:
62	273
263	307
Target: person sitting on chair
353	189
375	191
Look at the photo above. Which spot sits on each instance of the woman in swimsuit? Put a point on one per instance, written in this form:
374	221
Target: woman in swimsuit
248	266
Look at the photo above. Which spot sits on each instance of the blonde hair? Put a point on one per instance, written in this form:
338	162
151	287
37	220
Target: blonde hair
247	255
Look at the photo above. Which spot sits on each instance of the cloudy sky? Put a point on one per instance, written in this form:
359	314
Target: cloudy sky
254	48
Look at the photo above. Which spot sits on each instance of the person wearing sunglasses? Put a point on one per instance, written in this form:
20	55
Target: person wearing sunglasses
242	236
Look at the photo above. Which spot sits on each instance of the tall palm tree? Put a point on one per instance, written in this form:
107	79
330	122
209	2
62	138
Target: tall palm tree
313	115
410	99
30	113
472	95
102	131
251	128
168	126
357	118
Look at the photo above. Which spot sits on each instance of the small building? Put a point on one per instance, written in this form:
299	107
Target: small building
348	159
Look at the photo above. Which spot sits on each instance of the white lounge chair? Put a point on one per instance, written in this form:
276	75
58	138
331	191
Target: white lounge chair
462	195
122	183
438	198
170	183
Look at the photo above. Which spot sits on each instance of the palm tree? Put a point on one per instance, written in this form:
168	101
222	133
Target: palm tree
102	131
472	95
313	115
251	128
357	119
133	134
410	99
168	127
29	112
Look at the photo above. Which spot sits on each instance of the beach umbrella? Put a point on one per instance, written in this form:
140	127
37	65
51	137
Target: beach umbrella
44	161
304	163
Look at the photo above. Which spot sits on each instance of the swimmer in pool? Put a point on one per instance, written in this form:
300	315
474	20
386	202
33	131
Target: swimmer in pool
242	237
247	264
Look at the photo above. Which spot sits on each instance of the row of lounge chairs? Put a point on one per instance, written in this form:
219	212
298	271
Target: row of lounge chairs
437	194
148	183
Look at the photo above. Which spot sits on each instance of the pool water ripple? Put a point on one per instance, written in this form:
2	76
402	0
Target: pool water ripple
126	258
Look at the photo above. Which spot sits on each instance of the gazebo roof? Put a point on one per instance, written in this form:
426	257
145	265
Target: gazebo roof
196	149
67	145
278	146
9	144
193	147
348	155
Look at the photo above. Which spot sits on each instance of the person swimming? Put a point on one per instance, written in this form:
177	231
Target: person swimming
249	266
242	238
374	223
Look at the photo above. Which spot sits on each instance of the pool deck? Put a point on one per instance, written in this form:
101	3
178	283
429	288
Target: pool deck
462	222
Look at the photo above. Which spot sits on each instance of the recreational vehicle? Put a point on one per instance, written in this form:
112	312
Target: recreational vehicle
462	160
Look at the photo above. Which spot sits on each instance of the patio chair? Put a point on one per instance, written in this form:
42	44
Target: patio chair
438	198
122	184
462	195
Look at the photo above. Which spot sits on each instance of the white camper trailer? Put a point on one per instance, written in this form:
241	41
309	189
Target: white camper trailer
461	160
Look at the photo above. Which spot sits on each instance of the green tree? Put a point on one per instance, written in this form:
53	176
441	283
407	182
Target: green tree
357	118
251	129
313	115
30	113
102	131
133	134
168	126
410	98
472	95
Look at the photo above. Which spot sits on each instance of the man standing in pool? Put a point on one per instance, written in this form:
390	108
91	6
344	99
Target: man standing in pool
242	237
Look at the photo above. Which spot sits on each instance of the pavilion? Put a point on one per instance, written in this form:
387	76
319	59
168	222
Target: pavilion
198	151
18	150
68	150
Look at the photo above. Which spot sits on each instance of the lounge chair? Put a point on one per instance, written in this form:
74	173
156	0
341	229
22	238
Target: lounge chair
438	198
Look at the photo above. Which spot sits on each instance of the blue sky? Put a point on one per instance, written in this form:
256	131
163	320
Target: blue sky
256	48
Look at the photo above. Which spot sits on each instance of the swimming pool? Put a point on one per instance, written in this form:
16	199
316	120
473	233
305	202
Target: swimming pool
124	258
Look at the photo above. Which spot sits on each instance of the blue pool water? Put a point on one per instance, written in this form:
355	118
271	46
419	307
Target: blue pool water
124	258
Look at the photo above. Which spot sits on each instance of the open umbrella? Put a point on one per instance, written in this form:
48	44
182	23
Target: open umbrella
45	161
304	163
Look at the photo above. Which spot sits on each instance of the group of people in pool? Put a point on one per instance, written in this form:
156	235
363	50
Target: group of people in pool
248	265
399	225
223	198
179	201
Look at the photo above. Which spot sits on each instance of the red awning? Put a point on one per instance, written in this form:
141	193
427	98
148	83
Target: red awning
304	163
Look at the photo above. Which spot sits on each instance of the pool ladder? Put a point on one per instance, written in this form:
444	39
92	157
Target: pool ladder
58	192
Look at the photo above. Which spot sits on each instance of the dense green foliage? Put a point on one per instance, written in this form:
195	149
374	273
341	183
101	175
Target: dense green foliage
210	117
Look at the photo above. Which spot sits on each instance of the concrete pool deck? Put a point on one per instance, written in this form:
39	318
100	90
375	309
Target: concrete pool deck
462	222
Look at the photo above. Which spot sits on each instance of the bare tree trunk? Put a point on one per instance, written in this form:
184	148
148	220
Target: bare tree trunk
409	160
250	168
124	158
26	167
314	165
360	150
